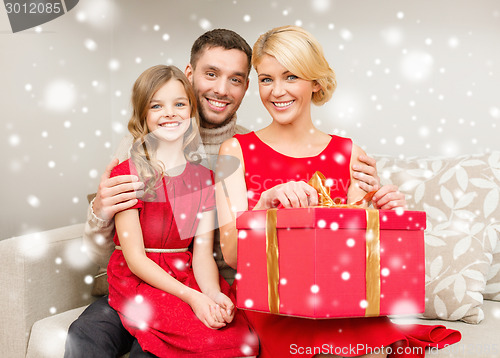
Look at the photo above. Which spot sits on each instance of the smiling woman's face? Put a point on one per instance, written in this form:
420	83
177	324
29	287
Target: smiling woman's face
285	96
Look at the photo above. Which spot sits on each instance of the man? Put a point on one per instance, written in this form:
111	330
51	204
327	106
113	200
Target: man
219	70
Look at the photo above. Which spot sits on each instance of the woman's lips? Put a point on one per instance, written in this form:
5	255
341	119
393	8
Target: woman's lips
282	105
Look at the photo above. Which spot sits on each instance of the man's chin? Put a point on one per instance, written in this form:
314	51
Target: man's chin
211	122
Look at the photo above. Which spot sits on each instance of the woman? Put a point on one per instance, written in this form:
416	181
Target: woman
276	162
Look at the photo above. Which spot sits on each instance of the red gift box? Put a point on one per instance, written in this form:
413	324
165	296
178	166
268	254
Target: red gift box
320	265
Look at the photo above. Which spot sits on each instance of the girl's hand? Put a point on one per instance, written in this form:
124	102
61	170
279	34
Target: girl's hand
207	311
389	197
226	305
293	194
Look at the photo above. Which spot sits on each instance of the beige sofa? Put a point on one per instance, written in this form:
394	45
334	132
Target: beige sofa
46	277
45	280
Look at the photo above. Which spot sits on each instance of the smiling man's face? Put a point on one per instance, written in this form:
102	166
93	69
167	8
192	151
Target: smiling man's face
220	81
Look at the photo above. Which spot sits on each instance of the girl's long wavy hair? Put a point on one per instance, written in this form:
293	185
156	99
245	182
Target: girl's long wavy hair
143	152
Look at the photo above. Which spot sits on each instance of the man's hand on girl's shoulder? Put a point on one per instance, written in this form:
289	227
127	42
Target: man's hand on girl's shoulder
115	194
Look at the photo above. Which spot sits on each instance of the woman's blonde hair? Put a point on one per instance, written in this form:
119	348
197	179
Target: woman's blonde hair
298	51
143	151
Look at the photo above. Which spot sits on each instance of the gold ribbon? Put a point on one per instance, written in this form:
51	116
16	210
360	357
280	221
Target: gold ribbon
272	252
318	182
372	263
372	248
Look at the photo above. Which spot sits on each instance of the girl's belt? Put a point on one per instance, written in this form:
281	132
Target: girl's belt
159	250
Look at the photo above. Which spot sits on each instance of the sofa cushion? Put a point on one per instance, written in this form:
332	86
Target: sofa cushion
48	335
460	196
492	290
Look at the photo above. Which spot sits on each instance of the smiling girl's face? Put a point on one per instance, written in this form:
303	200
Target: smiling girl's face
169	112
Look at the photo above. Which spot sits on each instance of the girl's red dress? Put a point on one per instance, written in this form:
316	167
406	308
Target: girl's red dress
163	324
282	336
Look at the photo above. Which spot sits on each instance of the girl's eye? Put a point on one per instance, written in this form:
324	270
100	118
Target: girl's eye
155	106
292	77
180	104
265	80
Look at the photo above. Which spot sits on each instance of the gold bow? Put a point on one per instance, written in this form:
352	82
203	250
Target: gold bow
318	182
372	247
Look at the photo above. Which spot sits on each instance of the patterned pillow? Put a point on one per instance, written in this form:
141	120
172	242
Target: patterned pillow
461	198
492	290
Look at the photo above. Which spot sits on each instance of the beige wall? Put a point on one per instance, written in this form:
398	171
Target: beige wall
415	78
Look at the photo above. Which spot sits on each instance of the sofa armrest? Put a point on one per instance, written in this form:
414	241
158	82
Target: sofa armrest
42	274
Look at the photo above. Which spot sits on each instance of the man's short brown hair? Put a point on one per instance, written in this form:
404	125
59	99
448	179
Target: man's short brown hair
227	39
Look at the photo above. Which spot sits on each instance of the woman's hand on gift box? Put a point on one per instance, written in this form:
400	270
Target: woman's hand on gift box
293	194
389	197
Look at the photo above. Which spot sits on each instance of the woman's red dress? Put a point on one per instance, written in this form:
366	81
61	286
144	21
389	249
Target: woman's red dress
282	336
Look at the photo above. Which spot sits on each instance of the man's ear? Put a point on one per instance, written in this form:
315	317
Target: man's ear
248	83
189	72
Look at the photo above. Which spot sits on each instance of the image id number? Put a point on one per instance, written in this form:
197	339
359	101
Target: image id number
33	8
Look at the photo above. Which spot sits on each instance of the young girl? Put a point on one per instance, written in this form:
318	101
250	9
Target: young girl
169	297
277	162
